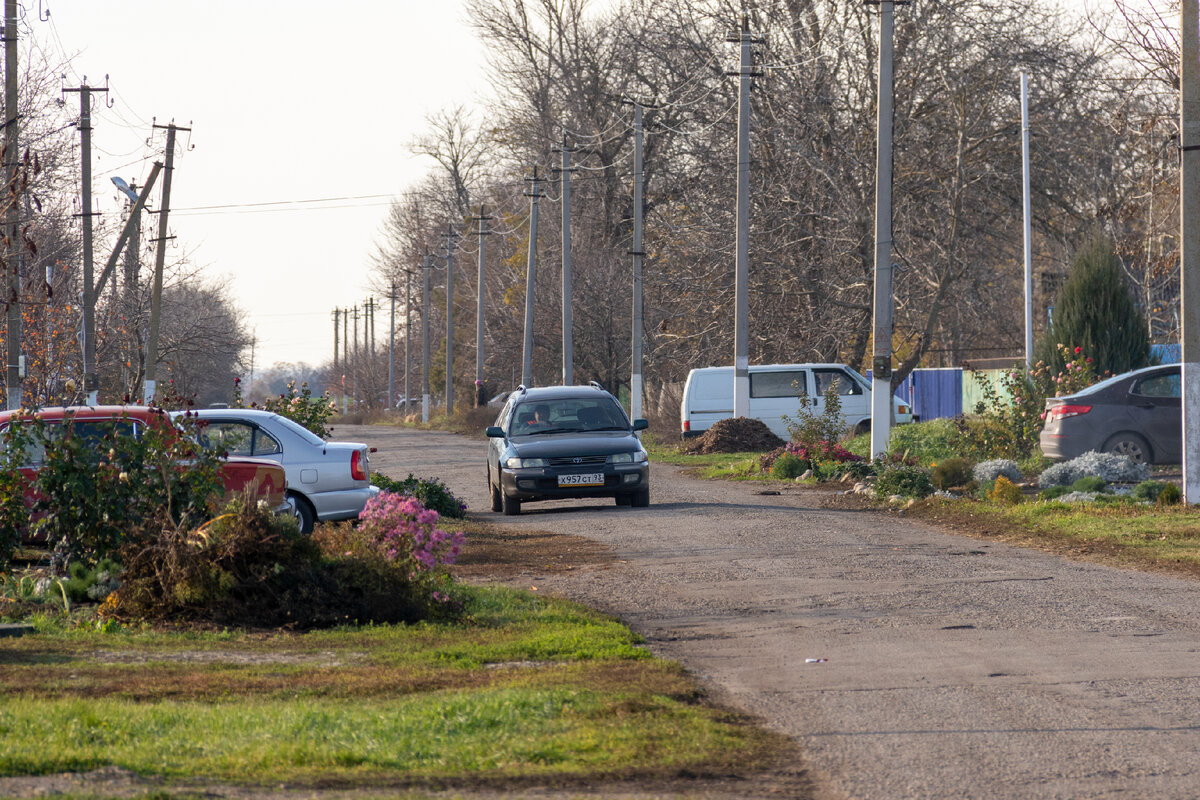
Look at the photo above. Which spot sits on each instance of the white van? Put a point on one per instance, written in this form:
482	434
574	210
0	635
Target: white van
775	391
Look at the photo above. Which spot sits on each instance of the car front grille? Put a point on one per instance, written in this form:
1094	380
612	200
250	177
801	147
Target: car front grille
577	461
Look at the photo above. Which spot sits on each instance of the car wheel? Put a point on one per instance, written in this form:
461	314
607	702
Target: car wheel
641	498
1129	444
306	517
624	499
494	491
510	505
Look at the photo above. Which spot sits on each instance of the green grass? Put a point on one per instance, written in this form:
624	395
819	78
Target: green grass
529	687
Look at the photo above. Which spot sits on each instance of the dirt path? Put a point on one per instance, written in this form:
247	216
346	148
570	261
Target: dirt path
946	667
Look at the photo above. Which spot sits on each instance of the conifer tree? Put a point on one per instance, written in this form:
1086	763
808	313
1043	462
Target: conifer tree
1094	311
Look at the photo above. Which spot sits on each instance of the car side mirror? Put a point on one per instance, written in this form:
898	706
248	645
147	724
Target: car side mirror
641	424
494	432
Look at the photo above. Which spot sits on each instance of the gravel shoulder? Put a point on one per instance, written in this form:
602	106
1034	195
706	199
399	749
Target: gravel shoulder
904	660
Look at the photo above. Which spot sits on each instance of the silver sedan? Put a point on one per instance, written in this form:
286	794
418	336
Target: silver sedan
328	481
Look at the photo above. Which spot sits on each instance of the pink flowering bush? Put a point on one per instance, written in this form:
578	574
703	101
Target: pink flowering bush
404	531
298	405
824	458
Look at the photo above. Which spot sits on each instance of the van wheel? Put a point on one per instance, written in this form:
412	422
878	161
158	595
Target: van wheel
862	427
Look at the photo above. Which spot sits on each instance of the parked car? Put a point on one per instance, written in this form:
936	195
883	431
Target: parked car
267	478
565	442
1137	414
775	391
328	481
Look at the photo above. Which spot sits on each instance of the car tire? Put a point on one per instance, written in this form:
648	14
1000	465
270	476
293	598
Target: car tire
494	491
641	498
1132	445
306	517
510	505
624	499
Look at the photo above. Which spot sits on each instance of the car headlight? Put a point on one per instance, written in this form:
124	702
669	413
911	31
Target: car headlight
629	458
522	463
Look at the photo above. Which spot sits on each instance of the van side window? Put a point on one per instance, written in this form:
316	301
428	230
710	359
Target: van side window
824	378
778	384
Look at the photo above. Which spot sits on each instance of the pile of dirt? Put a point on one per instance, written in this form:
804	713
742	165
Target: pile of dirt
735	435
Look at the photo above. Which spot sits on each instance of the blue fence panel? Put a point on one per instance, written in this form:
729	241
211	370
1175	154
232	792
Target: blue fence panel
933	393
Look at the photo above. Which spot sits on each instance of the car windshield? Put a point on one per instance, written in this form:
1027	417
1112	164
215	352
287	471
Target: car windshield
567	415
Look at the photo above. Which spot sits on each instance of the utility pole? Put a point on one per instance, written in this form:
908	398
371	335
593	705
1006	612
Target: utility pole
345	358
635	382
357	360
407	336
1025	180
425	340
91	380
480	399
160	256
336	325
1189	244
568	345
530	282
449	320
741	331
881	365
12	220
392	350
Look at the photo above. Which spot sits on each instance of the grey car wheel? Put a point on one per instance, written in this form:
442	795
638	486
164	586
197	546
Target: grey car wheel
494	491
304	513
1129	444
511	506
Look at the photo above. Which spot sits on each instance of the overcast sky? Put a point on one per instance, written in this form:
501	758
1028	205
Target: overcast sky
301	115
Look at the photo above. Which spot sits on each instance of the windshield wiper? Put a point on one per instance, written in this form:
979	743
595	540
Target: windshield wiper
549	431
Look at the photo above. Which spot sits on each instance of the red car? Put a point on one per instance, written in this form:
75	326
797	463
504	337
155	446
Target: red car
267	478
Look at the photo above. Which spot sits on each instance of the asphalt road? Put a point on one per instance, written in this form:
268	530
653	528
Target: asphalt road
949	667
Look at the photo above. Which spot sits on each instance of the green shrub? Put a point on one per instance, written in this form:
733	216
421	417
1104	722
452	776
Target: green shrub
1054	492
1170	495
950	472
94	583
1089	483
1004	492
432	493
1148	491
809	428
788	466
903	480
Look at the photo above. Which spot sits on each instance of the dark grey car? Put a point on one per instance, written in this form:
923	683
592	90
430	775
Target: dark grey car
1137	414
565	442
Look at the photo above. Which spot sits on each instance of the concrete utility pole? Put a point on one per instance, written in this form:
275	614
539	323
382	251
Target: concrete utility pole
357	362
407	337
345	358
635	381
568	345
160	257
480	399
425	340
741	330
449	320
1028	222
1189	244
91	379
530	282
12	220
337	322
881	365
392	350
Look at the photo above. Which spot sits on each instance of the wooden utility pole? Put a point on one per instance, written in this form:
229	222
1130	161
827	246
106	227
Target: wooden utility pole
425	339
160	257
568	344
480	399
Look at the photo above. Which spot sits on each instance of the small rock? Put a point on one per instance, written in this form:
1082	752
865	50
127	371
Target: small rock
808	473
860	487
895	498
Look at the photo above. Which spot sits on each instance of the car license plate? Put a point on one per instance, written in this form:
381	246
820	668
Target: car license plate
591	479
